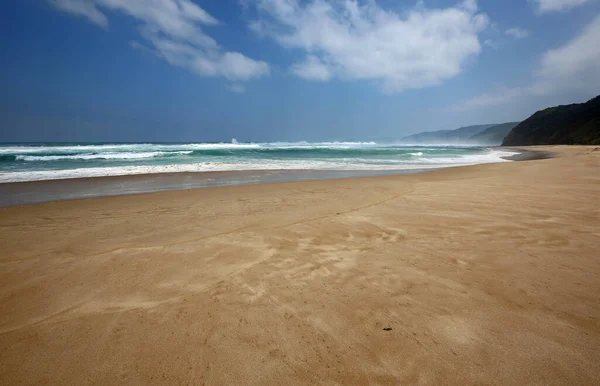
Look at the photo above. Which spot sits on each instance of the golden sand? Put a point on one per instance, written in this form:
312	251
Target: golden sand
486	274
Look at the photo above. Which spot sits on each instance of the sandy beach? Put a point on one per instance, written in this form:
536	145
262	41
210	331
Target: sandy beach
486	274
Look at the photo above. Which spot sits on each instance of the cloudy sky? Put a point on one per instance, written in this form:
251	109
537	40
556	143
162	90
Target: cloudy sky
266	70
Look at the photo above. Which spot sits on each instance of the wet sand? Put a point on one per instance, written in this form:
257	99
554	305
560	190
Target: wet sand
484	274
35	192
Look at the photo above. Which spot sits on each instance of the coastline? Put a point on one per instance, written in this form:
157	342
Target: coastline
34	192
484	273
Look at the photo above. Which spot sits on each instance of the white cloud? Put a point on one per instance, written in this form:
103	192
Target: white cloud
234	65
350	40
174	30
544	6
490	43
312	69
517	33
575	65
82	8
572	67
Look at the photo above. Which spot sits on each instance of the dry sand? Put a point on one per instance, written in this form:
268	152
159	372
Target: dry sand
486	274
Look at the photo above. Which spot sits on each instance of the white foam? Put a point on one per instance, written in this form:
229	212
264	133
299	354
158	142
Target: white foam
311	164
304	144
107	148
14	150
131	148
110	155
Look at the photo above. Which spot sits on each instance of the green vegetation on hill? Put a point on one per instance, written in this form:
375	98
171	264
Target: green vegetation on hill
494	135
576	124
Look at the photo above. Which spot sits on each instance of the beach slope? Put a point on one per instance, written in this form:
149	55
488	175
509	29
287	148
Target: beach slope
481	274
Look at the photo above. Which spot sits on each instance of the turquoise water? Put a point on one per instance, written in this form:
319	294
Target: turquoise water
30	162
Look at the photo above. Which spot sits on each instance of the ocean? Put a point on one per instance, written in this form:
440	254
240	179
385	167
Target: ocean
35	162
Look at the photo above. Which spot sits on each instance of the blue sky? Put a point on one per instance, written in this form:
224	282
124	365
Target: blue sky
287	70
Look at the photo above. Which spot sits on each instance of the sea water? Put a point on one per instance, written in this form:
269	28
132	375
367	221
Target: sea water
34	162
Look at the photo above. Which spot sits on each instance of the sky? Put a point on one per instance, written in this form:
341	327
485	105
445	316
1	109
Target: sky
286	70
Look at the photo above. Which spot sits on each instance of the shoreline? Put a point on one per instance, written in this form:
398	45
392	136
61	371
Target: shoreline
35	192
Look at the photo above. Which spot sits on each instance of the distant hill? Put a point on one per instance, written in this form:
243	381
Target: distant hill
459	136
576	124
494	135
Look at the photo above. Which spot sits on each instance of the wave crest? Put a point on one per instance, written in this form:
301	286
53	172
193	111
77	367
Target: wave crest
99	156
